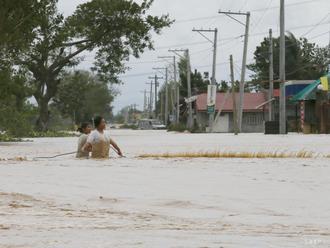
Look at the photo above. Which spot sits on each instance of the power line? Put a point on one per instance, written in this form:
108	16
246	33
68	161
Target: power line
316	25
287	5
234	37
253	10
262	17
209	49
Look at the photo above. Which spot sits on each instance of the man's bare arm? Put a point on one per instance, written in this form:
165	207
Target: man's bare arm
114	144
87	147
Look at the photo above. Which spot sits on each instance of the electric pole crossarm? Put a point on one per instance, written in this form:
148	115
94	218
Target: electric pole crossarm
229	14
157	78
176	51
165	58
232	13
200	31
235	19
158	69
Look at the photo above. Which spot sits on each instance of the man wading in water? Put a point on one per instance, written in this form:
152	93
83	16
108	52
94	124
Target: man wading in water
98	141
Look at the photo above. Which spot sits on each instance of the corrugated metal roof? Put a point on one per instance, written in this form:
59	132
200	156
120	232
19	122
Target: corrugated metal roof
251	101
306	94
293	87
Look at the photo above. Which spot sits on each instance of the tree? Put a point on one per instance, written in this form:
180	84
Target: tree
81	96
198	83
113	29
304	60
224	86
198	86
17	20
15	112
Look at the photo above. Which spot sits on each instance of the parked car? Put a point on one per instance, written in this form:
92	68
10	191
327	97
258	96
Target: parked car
150	124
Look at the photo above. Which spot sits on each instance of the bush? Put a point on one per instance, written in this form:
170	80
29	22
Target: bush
127	126
49	134
16	123
8	138
177	128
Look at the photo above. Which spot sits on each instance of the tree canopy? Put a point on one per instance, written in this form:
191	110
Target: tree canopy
112	29
304	60
82	96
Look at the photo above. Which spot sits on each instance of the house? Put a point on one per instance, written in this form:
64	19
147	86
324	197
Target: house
314	107
292	88
253	118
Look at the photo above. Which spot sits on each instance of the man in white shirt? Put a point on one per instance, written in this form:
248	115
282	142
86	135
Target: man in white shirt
99	141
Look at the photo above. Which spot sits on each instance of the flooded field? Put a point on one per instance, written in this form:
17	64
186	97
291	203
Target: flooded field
178	202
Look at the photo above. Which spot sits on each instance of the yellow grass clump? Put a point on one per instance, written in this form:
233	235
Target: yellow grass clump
230	154
14	159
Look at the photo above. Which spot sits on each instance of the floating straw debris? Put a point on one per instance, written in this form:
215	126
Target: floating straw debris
228	154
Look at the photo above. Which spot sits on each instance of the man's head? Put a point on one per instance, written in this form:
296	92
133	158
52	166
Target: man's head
99	123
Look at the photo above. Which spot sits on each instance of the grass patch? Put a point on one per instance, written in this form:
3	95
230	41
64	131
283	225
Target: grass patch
9	138
50	134
131	126
177	128
14	159
249	155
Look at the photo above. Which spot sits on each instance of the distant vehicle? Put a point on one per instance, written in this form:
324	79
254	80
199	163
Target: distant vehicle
150	124
112	125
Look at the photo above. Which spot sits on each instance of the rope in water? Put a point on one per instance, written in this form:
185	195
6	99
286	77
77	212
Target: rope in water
69	153
59	155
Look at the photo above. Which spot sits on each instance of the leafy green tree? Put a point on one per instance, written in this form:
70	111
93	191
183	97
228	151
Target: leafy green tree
304	60
15	113
113	29
81	96
224	86
17	21
198	83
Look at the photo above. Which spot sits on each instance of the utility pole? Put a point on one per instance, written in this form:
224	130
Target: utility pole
186	52
175	93
271	77
166	97
213	79
166	93
282	71
162	106
233	91
144	100
156	84
150	100
329	54
176	90
190	117
145	103
242	82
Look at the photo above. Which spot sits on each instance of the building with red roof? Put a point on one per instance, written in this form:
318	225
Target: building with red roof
253	115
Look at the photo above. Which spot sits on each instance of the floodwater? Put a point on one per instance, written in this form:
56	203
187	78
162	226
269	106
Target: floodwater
132	202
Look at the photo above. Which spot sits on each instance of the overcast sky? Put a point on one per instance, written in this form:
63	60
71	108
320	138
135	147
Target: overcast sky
309	18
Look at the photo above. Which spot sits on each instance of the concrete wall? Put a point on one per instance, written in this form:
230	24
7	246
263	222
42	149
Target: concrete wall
222	124
252	122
